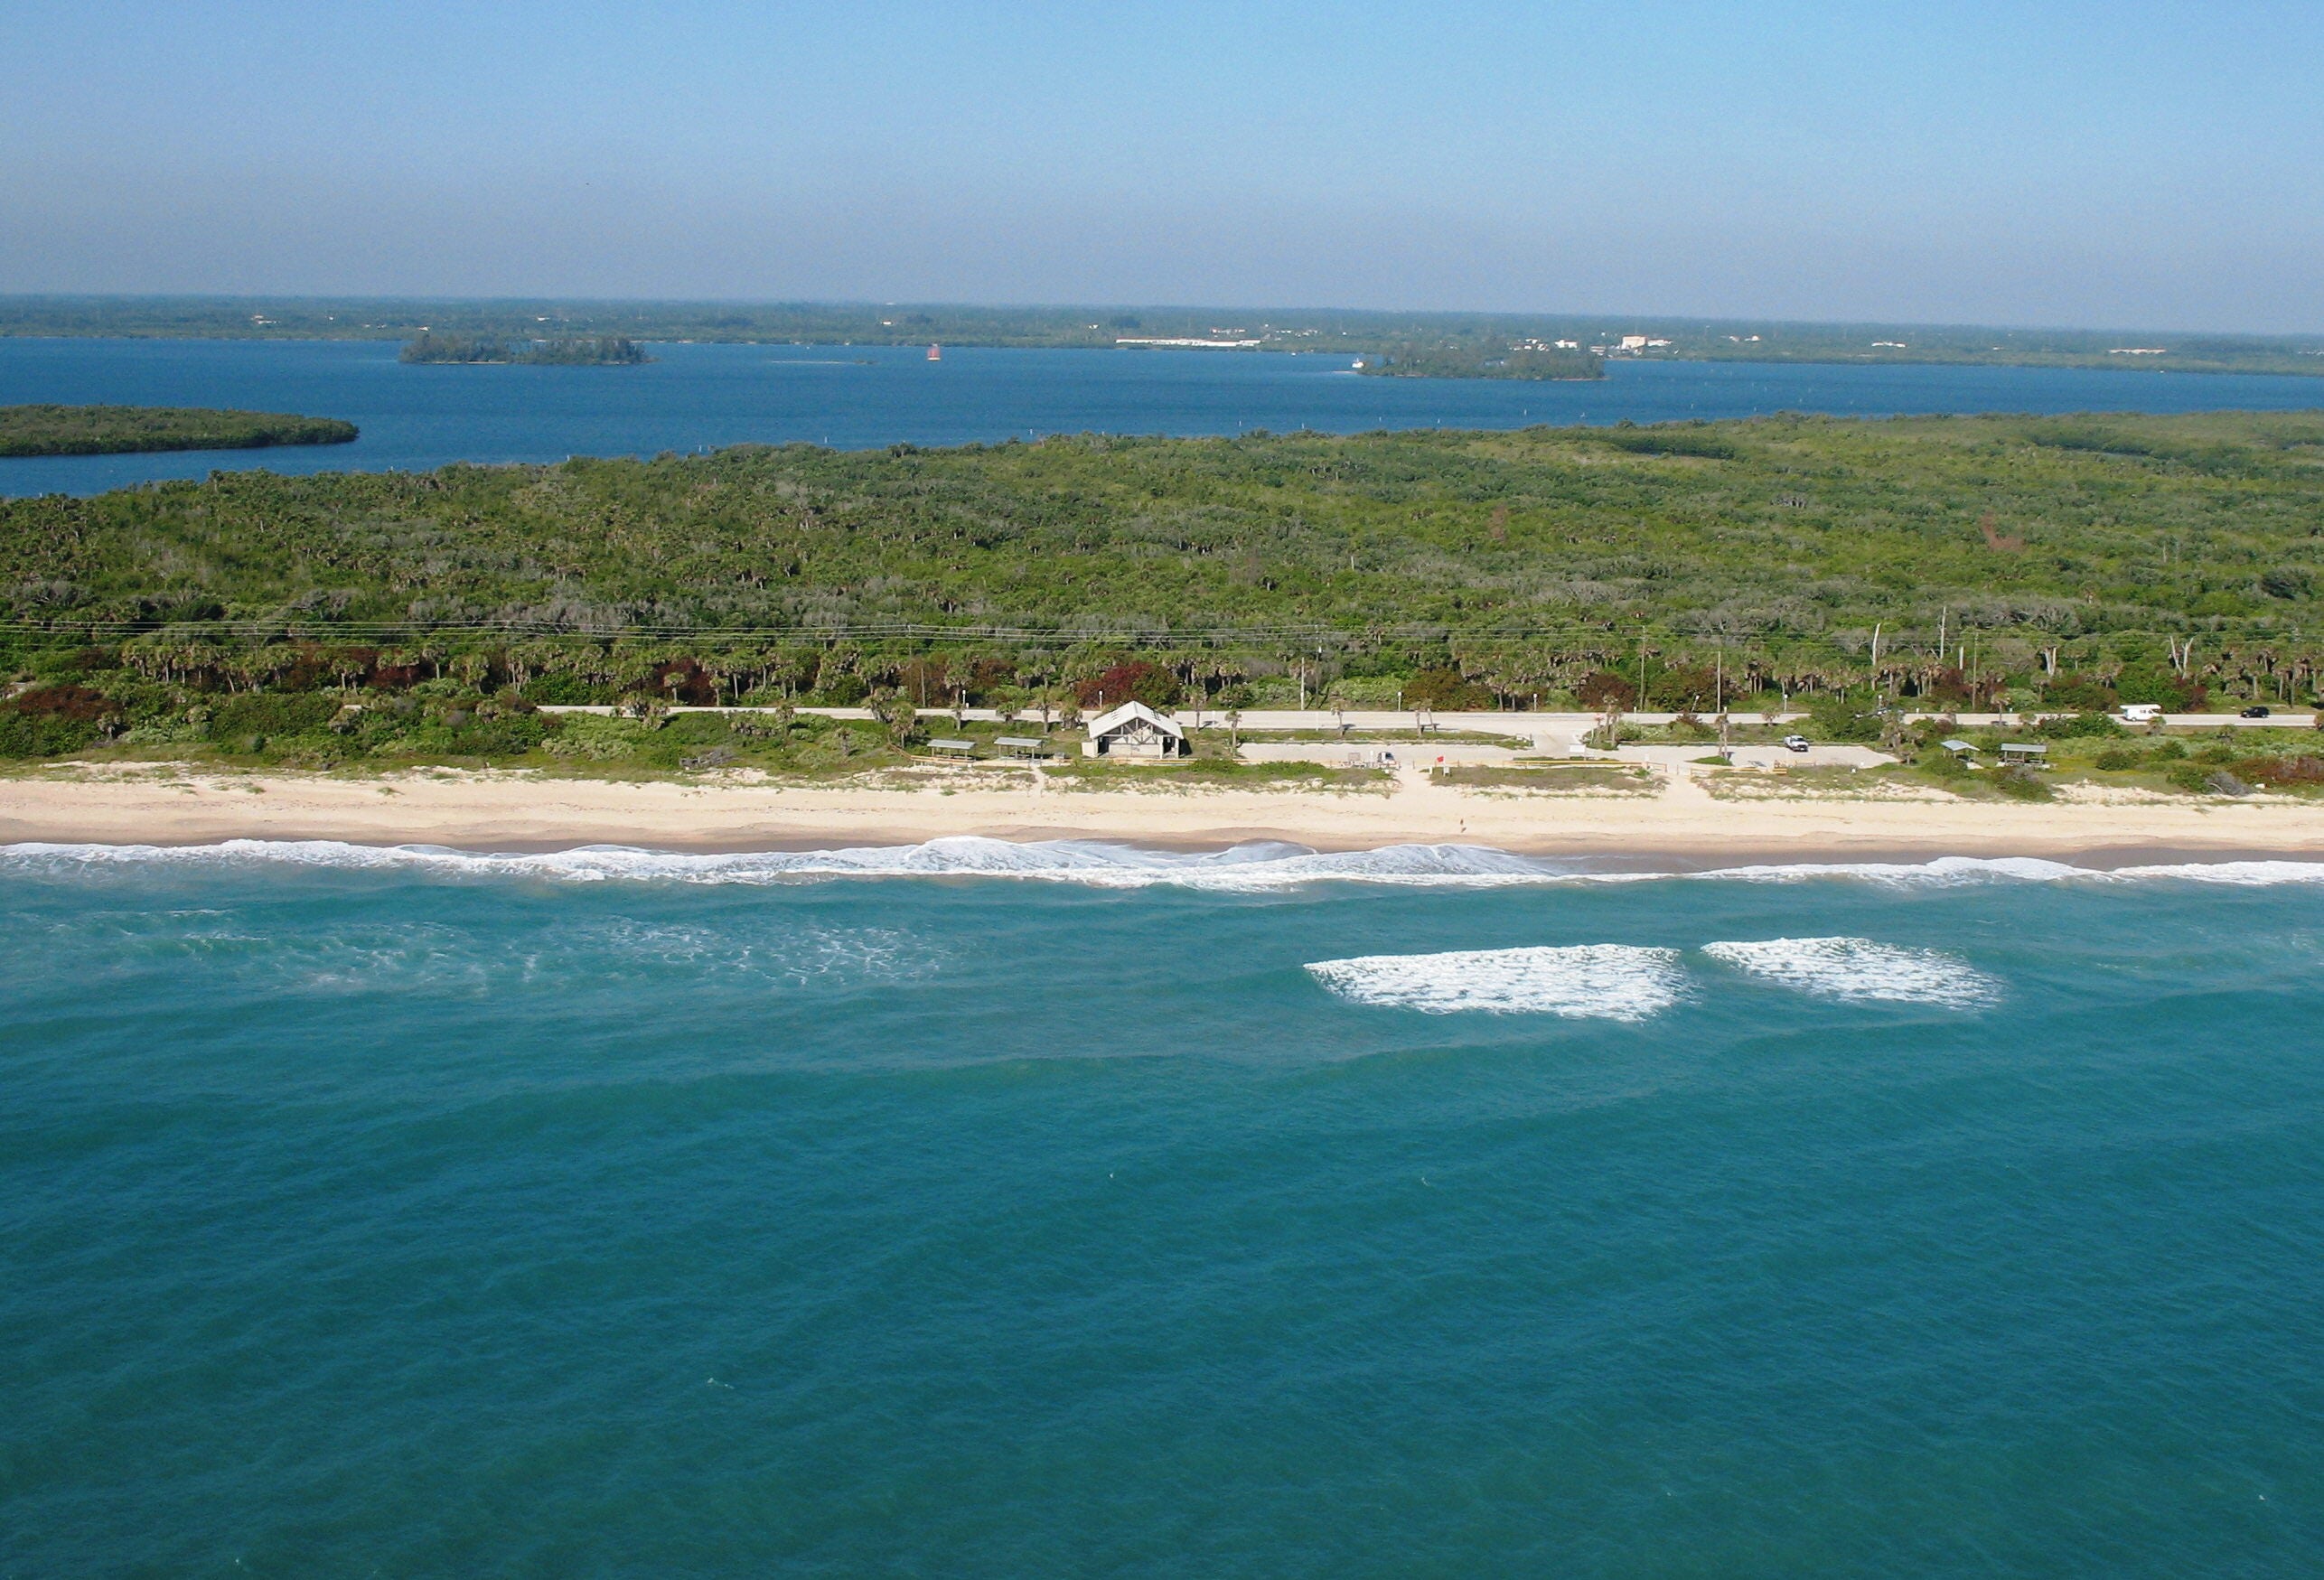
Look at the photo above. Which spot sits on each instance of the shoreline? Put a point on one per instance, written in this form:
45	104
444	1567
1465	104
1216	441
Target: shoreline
518	812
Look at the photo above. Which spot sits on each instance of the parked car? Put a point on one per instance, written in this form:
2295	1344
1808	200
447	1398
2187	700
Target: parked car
2255	712
1795	742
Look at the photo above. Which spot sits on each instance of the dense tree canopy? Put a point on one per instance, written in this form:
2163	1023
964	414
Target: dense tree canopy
103	430
1960	556
569	351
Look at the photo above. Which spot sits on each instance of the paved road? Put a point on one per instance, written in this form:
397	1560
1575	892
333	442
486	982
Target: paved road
1518	725
1671	759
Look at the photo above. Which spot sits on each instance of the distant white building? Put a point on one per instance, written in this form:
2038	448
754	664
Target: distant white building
1136	730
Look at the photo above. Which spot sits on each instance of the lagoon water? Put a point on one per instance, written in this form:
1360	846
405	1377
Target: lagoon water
1002	1210
414	418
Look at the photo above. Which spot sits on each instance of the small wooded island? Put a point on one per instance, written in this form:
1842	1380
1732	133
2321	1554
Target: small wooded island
108	430
1468	360
608	350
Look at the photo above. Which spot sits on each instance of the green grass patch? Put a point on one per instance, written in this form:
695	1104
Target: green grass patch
1552	778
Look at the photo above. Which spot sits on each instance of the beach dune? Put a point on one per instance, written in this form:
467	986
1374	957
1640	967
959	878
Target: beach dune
520	810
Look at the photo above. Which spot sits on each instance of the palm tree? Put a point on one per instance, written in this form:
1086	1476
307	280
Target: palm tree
894	708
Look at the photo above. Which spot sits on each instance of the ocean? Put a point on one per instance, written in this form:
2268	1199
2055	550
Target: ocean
417	418
985	1210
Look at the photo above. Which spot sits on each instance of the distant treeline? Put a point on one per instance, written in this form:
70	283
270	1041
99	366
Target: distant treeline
104	430
1487	336
573	352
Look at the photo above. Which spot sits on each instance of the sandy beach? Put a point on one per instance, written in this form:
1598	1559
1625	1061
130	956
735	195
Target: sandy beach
518	810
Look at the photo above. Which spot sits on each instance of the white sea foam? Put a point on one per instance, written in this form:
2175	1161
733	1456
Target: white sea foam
741	952
1947	870
1858	970
1243	868
1589	981
1943	872
2245	874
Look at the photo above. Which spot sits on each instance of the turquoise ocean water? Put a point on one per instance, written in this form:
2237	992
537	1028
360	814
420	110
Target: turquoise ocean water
1003	1210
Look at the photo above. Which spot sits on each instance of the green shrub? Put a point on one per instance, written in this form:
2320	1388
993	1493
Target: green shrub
1132	680
594	738
559	690
2116	759
1450	691
270	713
2022	784
1835	718
2299	771
43	734
51	721
2080	726
1663	442
70	663
2078	692
1368	691
699	729
2150	683
510	735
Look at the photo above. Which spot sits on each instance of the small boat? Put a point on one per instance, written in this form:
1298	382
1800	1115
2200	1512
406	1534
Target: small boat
935	353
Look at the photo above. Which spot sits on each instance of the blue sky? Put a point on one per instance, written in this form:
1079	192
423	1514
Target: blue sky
2126	164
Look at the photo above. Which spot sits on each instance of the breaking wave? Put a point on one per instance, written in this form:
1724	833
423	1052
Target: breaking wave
1950	870
1859	971
1589	981
1254	867
1243	867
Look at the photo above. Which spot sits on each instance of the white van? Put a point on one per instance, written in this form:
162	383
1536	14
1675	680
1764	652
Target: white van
2141	712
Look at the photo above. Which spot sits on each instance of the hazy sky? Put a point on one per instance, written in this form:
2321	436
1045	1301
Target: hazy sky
2120	164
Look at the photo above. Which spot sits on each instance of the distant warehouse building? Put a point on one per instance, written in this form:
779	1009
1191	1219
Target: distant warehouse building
1136	730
